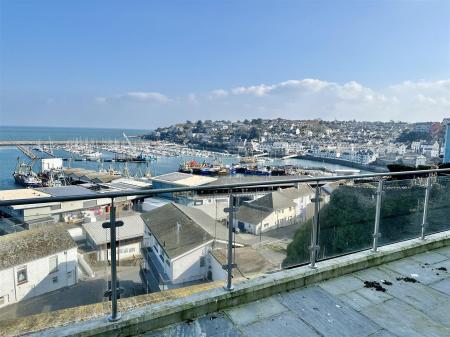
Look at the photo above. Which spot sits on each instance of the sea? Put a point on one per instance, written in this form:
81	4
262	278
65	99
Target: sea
9	155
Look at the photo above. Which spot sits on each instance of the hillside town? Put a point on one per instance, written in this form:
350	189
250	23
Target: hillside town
168	240
352	142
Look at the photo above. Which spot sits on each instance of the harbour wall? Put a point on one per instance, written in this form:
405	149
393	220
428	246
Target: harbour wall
371	168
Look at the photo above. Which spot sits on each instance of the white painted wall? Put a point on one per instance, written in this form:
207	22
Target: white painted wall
276	219
218	273
187	267
123	252
40	281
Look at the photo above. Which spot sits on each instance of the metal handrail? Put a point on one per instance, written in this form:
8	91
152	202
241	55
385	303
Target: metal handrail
228	187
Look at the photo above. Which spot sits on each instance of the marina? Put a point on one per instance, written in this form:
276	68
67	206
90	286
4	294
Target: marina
128	157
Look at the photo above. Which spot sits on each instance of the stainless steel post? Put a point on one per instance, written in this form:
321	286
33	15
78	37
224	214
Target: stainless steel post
425	207
112	219
229	286
314	248
376	229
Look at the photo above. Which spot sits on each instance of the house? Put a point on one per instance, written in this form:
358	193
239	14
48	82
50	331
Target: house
271	211
129	238
175	247
35	262
301	195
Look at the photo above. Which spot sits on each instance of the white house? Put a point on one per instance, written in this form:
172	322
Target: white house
301	195
129	238
35	262
271	211
176	247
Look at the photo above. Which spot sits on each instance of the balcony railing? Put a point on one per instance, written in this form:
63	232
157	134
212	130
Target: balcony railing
244	237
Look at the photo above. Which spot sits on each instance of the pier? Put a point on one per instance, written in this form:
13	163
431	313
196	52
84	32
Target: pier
53	142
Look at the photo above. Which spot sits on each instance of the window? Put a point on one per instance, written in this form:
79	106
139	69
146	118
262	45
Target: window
55	279
69	274
131	250
22	276
53	264
2	300
168	262
55	207
202	261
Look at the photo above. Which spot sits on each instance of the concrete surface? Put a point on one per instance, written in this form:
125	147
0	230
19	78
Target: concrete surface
87	291
141	314
343	306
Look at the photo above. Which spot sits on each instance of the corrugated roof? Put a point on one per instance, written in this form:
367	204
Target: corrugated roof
22	247
66	190
163	223
133	227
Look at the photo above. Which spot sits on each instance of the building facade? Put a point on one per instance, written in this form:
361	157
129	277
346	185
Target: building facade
35	262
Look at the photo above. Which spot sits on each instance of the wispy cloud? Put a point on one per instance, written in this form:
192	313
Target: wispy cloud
139	96
296	99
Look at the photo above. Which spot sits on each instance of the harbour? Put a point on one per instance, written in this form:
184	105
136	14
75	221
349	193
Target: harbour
121	152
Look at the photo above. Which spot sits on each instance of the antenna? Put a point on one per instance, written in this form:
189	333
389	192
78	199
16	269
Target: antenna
178	233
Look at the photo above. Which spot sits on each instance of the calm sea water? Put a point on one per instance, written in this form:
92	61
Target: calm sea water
9	154
46	133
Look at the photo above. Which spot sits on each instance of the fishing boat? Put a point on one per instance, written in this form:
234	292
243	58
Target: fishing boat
24	176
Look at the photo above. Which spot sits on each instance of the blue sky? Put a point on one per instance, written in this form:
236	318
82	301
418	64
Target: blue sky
148	63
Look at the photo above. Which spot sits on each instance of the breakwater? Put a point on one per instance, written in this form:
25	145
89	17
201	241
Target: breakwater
371	168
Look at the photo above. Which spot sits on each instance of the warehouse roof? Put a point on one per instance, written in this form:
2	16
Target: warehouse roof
22	247
22	193
176	231
184	179
66	190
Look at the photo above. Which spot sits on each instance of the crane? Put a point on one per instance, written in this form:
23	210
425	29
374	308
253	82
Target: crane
127	139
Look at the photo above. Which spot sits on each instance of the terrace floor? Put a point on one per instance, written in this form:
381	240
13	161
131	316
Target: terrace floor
412	299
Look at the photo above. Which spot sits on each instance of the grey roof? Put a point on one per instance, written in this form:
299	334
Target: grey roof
251	215
133	227
173	176
162	222
295	193
66	190
257	210
273	201
22	247
214	228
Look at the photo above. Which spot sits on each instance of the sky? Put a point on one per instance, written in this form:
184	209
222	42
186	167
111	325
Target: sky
144	64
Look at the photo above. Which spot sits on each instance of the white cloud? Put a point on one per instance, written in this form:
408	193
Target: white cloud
148	96
218	93
136	96
298	99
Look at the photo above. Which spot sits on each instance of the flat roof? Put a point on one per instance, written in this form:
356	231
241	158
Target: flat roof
133	227
66	190
22	193
184	179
